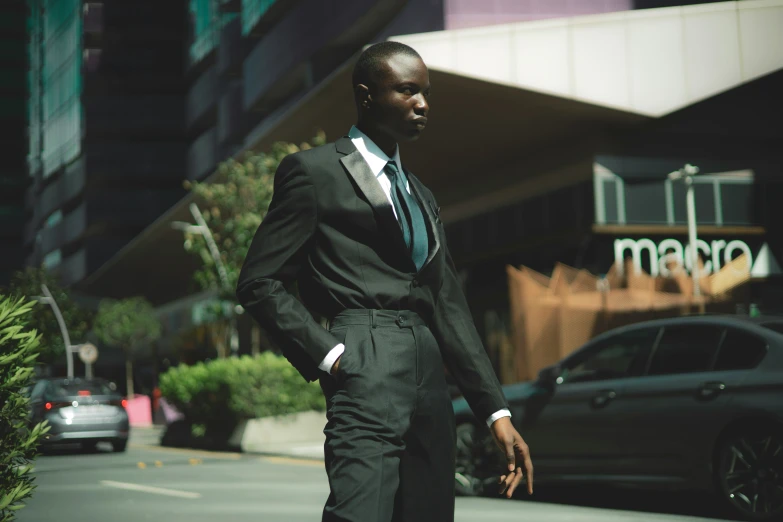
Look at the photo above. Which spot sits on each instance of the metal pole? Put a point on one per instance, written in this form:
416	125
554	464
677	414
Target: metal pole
213	249
692	238
63	330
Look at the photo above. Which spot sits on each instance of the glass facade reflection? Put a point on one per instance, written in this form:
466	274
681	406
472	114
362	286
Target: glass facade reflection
55	82
206	21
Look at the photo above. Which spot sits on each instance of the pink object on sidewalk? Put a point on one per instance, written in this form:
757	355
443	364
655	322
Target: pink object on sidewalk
139	411
170	413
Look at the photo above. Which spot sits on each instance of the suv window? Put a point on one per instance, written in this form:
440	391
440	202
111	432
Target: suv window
619	356
685	349
73	389
740	351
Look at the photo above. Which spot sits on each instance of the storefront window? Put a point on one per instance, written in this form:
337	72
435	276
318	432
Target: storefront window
645	202
721	199
737	203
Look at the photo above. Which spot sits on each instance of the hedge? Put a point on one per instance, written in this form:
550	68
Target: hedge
19	347
215	395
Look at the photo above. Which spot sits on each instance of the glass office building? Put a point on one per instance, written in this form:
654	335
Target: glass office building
105	127
13	179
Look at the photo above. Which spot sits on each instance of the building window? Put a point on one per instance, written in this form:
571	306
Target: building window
53	259
55	83
252	11
54	218
206	22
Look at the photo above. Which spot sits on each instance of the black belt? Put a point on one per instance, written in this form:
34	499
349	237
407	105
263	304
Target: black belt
374	318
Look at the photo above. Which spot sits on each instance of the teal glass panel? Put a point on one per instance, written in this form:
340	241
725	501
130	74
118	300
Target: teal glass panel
252	11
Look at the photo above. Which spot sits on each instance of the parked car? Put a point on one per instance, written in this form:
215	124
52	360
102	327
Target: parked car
683	403
80	410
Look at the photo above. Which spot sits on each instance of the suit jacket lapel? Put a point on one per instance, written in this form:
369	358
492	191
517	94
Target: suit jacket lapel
418	192
366	181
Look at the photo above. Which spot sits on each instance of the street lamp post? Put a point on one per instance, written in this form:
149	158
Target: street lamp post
203	229
686	174
49	299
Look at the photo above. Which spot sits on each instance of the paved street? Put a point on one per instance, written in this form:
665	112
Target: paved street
149	483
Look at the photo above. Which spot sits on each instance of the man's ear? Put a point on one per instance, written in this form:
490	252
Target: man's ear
363	96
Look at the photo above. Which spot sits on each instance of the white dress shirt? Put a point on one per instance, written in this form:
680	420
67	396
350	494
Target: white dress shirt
377	160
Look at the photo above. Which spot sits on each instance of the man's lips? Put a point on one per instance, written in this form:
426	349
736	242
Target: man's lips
420	122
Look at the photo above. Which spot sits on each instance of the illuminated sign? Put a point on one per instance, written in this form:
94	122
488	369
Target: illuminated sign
669	256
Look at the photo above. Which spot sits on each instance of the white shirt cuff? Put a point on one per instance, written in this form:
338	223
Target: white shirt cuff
498	415
331	357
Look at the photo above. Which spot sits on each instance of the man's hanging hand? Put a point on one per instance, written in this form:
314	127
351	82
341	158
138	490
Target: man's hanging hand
517	455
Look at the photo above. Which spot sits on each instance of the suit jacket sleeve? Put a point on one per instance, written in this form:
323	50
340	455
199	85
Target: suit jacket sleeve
463	351
277	253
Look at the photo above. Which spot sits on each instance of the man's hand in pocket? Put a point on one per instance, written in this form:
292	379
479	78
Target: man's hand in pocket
336	366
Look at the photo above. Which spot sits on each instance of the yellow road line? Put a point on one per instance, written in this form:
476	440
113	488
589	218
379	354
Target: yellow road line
298	462
185	451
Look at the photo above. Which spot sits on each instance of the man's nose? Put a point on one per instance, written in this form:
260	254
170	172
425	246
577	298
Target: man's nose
422	107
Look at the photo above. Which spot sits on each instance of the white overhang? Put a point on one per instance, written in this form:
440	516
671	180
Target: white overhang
650	62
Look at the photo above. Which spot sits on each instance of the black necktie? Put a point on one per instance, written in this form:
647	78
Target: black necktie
414	230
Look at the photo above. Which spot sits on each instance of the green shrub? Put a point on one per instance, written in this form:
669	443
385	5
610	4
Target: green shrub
18	443
215	395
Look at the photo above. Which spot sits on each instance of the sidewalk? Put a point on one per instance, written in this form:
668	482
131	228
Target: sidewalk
150	436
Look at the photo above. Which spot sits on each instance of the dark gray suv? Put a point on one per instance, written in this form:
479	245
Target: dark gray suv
692	402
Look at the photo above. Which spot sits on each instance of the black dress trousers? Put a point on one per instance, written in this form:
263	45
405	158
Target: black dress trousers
390	425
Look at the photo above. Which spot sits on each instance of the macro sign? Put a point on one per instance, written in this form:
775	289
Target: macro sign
669	256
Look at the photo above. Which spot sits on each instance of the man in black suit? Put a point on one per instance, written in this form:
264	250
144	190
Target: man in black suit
362	237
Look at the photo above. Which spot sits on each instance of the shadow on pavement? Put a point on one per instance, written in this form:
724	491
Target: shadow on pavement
72	449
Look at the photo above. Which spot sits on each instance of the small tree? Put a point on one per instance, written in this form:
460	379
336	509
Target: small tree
127	323
18	443
233	207
78	320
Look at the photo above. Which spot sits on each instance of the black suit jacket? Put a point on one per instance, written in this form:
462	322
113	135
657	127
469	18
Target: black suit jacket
331	229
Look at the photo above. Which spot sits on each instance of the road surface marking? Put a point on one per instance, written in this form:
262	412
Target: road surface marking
298	462
150	489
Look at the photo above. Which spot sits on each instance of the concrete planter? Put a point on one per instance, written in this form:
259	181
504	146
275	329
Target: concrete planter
301	433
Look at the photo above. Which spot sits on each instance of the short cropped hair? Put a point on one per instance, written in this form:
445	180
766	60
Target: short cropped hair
371	62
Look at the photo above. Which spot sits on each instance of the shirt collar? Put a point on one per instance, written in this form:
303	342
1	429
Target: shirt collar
372	153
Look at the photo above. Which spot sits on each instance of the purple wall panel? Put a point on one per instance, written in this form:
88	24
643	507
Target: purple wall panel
474	13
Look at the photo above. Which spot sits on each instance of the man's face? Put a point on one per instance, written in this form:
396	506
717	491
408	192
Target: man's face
398	103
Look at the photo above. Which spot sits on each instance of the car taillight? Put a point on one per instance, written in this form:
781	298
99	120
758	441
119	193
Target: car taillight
55	405
123	403
84	393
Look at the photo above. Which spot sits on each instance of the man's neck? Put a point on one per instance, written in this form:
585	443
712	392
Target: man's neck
385	143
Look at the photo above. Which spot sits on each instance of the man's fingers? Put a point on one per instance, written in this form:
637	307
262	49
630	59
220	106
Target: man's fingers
510	456
505	482
525	457
514	483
